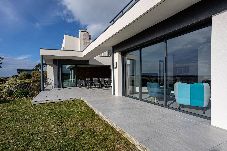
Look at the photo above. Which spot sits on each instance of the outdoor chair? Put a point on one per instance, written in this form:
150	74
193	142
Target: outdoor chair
81	83
107	82
96	82
154	90
195	95
102	81
88	83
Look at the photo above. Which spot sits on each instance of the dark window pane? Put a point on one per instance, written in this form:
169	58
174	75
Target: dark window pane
153	73
68	76
133	74
188	66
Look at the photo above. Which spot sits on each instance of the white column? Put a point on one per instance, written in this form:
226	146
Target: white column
42	74
219	71
118	73
70	75
73	74
55	75
52	71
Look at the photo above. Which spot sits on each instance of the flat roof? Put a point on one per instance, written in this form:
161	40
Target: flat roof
144	14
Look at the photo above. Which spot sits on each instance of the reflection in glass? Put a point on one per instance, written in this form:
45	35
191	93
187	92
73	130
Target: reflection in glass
189	71
68	76
153	73
133	74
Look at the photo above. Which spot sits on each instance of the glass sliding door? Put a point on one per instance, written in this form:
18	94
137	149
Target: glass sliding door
68	76
189	72
132	72
176	73
153	73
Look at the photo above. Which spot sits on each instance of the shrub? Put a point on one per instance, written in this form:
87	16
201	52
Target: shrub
21	93
24	76
2	81
25	85
15	88
35	83
1	91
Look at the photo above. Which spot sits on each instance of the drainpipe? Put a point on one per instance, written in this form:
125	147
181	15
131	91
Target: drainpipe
60	75
42	75
165	75
140	79
113	79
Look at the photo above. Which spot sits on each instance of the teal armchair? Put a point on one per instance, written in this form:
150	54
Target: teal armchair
154	89
197	94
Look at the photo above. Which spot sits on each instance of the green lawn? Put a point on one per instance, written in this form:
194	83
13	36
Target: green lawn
69	125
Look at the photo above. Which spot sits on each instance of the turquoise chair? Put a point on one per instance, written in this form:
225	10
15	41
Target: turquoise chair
153	89
197	95
200	94
183	92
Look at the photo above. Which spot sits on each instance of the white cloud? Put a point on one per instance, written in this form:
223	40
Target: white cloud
95	14
22	57
26	13
11	64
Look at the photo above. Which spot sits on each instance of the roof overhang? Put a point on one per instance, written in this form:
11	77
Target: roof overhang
61	54
144	14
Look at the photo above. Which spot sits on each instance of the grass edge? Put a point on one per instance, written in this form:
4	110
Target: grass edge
132	140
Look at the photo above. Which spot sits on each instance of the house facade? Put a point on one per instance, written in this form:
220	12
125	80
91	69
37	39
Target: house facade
64	70
170	53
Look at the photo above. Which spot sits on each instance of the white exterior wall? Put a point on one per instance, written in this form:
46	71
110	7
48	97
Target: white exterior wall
70	43
52	71
104	60
118	73
219	71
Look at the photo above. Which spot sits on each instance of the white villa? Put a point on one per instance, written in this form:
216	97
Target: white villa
171	53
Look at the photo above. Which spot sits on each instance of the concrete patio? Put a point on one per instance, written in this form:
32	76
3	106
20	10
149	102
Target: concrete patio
156	128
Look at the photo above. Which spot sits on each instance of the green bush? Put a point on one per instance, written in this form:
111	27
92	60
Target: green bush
21	93
24	76
24	85
35	83
15	88
1	91
2	81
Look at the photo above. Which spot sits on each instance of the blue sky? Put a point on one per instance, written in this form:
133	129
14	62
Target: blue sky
28	25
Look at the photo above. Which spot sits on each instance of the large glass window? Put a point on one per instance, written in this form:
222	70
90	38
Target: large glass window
189	71
133	74
153	73
68	76
186	78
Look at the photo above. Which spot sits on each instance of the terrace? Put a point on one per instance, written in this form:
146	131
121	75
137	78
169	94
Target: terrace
148	126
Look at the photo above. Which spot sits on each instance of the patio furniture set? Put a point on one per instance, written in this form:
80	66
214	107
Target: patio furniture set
94	82
184	94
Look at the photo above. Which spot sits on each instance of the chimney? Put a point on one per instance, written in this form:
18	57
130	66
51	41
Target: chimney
85	39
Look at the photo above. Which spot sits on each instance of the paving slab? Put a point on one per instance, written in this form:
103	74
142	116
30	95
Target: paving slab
155	127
